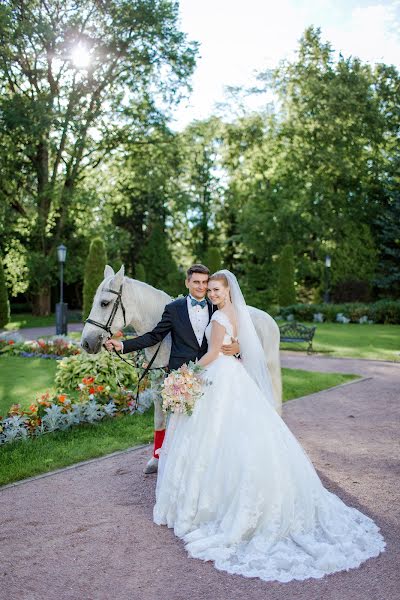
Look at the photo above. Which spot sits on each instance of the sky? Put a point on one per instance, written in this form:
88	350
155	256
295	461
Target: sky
240	37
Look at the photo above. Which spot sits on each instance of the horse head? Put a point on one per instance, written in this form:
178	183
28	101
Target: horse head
107	315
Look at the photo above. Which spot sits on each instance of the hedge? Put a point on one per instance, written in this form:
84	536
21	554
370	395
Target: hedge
383	311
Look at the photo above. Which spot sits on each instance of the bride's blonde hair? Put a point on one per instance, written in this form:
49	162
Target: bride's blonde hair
219	277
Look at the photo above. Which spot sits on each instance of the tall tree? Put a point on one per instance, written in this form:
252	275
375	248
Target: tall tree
287	291
4	303
75	77
202	182
94	273
325	159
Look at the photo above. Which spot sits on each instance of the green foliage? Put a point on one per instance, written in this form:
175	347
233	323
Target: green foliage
322	166
160	268
4	302
287	291
353	263
201	183
16	269
386	311
104	367
387	277
383	311
140	273
212	259
94	273
50	106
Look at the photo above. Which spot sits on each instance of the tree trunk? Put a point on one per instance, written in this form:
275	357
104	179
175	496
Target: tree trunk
41	305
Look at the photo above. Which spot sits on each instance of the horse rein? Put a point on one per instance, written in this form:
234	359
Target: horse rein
107	328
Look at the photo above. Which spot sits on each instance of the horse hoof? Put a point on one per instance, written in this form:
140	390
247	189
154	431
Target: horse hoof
151	467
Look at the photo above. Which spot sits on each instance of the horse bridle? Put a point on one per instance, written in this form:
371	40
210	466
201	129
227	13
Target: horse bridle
107	328
117	303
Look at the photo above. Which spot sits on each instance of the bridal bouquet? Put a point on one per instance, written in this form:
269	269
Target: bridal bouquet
181	389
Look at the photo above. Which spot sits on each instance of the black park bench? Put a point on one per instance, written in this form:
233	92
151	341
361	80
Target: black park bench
297	332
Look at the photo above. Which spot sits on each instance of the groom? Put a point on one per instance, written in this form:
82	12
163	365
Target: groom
186	319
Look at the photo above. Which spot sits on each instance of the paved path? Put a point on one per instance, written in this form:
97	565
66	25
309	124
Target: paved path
32	333
86	533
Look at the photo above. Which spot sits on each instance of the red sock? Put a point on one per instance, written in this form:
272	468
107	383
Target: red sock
158	441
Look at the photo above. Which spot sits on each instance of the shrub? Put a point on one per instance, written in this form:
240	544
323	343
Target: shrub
384	311
4	303
94	273
104	367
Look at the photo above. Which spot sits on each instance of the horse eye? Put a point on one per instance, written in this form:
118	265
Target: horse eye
104	303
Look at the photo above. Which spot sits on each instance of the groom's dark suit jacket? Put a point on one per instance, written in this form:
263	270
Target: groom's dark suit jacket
174	320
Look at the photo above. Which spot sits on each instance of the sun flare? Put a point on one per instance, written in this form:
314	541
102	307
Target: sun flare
80	56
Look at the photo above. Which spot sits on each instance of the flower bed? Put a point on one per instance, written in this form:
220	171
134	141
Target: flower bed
57	348
59	411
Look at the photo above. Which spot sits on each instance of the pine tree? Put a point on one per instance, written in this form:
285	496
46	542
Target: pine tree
4	303
160	268
140	273
287	291
212	259
94	273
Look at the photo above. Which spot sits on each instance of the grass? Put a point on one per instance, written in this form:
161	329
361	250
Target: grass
374	342
297	383
62	448
26	320
22	378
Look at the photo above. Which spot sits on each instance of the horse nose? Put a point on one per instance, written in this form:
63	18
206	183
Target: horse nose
85	345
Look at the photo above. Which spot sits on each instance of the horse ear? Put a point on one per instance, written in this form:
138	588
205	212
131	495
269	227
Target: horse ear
117	281
108	271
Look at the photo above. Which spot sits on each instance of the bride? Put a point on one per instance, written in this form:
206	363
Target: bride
273	519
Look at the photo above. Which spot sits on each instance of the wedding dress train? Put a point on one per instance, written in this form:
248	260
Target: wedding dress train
238	488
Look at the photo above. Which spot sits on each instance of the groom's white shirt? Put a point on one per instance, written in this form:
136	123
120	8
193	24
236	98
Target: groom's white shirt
199	319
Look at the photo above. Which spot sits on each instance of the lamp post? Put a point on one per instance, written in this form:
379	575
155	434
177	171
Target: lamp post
61	307
327	278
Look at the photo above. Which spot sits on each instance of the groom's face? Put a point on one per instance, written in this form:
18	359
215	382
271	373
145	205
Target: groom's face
197	285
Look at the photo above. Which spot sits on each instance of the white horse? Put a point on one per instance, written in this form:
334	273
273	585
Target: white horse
141	306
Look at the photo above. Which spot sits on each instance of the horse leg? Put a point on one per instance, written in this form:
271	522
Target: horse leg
159	434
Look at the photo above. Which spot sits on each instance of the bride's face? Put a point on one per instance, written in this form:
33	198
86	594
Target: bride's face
217	292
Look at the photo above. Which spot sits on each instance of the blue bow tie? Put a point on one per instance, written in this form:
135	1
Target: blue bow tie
201	303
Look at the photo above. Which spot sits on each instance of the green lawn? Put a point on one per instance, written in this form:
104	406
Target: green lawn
26	320
297	383
375	342
22	378
51	451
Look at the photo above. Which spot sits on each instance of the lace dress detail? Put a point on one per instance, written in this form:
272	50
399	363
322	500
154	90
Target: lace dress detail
223	320
239	489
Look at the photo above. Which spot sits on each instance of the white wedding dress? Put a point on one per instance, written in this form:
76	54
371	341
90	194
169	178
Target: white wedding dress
239	489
